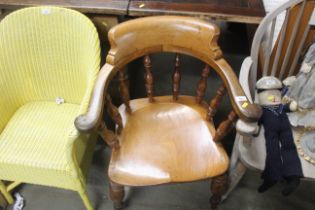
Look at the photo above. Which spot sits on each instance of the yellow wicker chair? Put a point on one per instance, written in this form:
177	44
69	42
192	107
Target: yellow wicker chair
49	61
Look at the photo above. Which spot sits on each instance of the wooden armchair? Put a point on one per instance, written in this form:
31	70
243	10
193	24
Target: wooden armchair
276	51
49	62
166	139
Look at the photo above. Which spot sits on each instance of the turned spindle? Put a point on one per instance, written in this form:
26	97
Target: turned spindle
219	186
176	77
202	85
108	136
215	103
114	113
225	126
124	90
148	77
116	194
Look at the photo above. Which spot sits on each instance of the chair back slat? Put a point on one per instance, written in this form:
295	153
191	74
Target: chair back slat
148	77
215	103
279	46
295	39
298	51
292	39
291	32
114	113
124	90
176	77
268	51
202	85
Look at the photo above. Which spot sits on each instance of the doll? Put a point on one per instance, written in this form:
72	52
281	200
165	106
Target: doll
282	161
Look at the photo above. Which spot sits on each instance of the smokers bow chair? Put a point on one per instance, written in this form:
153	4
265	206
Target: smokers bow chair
49	61
281	38
165	139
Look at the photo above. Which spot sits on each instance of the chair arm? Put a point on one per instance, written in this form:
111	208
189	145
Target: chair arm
247	128
245	109
91	120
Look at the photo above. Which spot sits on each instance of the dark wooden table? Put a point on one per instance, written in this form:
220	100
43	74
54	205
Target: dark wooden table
244	11
110	7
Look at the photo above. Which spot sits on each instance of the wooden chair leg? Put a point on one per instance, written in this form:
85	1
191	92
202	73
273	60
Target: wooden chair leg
117	193
218	188
235	176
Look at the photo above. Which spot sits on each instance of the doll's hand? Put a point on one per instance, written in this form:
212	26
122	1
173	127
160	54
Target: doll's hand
286	99
246	128
293	106
289	81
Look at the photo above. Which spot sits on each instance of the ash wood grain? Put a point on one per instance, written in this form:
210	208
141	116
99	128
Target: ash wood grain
165	142
146	36
247	11
162	140
116	193
118	7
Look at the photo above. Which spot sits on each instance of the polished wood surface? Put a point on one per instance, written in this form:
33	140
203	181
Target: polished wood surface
248	11
108	136
225	127
148	77
202	85
194	37
218	188
136	38
176	77
124	90
114	7
215	103
164	142
114	113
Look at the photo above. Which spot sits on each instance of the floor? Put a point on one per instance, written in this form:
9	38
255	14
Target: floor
191	196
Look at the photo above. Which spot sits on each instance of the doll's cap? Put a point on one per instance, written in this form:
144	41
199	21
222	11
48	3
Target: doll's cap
268	83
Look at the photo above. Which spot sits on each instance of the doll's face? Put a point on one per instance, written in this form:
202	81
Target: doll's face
269	97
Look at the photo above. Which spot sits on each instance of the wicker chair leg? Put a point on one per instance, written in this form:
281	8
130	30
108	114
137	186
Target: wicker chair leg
218	188
117	193
3	202
85	198
5	193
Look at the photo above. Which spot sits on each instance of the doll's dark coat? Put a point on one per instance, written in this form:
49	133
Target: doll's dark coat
282	159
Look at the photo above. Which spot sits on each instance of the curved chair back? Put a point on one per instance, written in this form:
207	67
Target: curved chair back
280	39
46	52
141	37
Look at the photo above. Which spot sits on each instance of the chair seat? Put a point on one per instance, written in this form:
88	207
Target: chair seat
164	142
36	138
